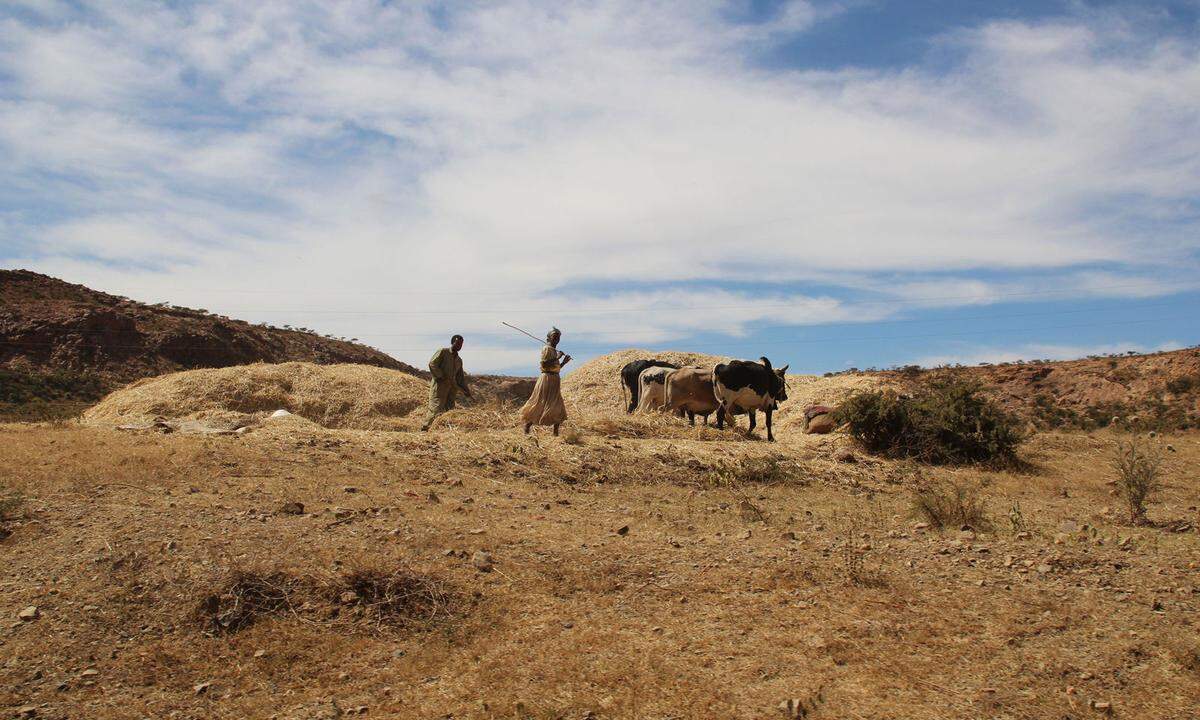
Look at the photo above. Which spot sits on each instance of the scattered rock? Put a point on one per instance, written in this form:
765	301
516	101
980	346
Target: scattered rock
1068	526
744	535
202	688
27	711
30	614
789	535
623	530
260	653
348	598
89	673
291	508
433	498
845	456
350	489
1043	569
482	561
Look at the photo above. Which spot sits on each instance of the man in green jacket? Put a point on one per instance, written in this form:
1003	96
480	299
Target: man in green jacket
447	381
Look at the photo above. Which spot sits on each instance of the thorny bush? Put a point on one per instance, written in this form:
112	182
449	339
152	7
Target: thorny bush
948	422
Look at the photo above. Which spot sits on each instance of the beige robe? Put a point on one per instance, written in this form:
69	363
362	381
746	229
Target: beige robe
545	406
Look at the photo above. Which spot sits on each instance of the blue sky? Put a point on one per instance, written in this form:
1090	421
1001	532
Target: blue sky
832	184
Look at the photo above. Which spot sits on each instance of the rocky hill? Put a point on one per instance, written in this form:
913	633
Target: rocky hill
68	344
1152	391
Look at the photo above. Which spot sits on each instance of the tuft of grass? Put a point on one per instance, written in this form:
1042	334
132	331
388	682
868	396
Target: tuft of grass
951	505
572	436
1138	468
11	503
948	422
758	470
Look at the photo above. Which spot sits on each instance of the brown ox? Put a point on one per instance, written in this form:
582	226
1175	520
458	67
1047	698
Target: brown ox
690	390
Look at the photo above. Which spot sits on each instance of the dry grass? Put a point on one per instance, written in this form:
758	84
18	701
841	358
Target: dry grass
657	572
950	505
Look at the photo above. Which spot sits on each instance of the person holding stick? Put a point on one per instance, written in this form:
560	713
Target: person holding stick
545	406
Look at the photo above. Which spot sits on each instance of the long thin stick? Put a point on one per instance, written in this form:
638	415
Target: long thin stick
529	335
561	353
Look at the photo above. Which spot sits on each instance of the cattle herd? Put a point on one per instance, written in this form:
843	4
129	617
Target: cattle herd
727	389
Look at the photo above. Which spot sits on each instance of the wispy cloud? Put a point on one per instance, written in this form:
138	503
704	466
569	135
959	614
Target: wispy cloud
292	151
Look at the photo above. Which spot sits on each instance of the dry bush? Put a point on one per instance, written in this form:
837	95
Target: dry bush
397	598
572	436
948	422
1138	468
244	597
951	505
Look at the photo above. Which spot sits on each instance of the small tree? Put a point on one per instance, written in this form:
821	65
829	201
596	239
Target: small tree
1138	469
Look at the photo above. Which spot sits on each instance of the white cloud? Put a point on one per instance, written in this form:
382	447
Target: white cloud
328	159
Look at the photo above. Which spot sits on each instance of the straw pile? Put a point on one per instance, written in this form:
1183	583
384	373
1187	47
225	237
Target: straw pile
596	385
334	396
594	388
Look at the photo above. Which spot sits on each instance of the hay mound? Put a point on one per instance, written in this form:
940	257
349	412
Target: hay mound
335	396
594	388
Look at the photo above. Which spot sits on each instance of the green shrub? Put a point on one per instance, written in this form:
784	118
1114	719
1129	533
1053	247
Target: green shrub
945	423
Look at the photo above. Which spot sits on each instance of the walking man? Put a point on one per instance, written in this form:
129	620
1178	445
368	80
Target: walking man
447	381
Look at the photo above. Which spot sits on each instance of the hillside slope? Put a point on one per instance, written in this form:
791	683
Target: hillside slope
1155	391
47	325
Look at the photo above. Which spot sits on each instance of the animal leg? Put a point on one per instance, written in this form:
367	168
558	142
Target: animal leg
770	434
752	422
691	418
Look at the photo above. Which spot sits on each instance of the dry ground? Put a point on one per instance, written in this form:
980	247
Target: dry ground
727	594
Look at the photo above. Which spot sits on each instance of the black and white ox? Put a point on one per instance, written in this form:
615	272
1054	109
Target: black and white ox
745	386
629	378
652	388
